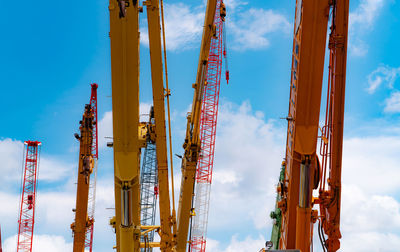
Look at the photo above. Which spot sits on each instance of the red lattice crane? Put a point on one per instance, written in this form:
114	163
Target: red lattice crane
26	219
208	126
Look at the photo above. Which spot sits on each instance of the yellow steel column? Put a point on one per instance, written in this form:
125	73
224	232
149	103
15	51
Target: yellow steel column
153	18
124	36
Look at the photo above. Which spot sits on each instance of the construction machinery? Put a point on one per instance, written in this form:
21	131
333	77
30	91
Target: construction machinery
199	144
26	221
93	180
305	169
131	232
128	137
82	228
148	185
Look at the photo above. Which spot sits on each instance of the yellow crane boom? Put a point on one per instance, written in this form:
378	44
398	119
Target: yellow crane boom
124	37
153	19
128	132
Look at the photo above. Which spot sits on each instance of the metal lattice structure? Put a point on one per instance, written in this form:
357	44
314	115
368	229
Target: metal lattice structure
208	126
26	219
148	190
92	183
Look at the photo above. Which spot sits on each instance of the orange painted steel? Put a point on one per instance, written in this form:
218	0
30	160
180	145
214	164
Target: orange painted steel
86	163
303	173
92	184
330	198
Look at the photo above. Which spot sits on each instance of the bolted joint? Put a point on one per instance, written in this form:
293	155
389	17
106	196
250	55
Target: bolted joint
167	92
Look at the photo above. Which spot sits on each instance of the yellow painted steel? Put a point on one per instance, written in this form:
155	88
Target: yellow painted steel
153	19
124	36
85	169
192	140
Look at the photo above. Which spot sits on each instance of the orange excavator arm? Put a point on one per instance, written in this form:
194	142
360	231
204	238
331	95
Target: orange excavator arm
302	169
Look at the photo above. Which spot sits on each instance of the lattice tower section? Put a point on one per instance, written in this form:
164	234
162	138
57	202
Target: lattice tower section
148	189
208	125
26	219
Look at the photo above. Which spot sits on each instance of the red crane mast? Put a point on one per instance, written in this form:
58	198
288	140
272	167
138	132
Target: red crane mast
26	219
208	127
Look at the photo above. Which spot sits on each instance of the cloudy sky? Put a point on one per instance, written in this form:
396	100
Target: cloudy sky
52	51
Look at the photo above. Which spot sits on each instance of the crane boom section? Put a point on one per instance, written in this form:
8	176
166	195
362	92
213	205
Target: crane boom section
85	168
153	18
192	139
304	109
124	37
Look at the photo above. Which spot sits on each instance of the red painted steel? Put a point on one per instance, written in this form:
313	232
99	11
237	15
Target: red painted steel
92	186
26	219
208	126
93	104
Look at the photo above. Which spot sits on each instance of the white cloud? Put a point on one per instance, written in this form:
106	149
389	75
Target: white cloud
371	163
371	218
251	28
371	241
383	75
233	5
362	19
357	48
11	155
392	104
41	243
366	13
183	27
105	129
247	159
237	244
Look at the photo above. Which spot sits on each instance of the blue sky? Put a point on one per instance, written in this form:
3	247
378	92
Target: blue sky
52	51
